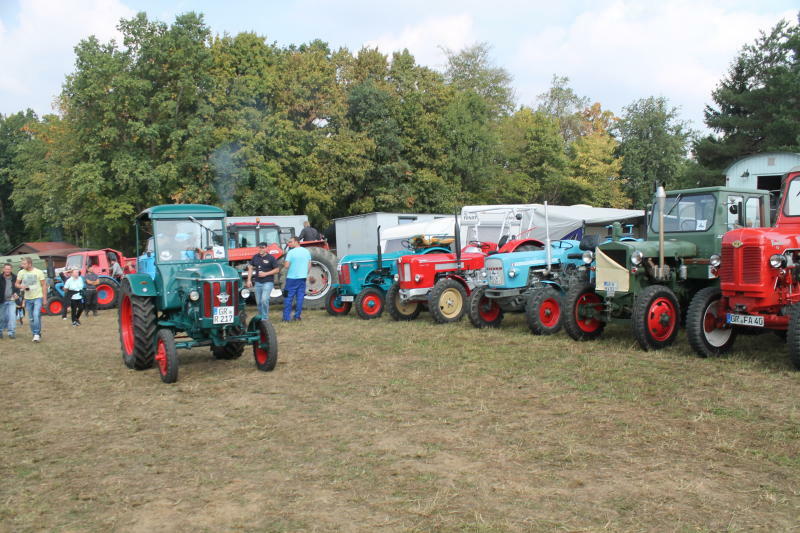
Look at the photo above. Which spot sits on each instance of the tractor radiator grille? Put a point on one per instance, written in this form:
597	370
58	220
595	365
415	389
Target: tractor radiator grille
751	265
211	292
344	274
726	268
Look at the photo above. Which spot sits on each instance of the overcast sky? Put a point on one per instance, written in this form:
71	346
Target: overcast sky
614	52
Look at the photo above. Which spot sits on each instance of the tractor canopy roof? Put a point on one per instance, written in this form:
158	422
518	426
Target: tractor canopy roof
181	211
712	190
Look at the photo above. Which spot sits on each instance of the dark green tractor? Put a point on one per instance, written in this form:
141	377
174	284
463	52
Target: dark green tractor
650	283
185	294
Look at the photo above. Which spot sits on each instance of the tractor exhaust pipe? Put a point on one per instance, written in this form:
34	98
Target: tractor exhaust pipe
380	253
457	234
548	251
661	197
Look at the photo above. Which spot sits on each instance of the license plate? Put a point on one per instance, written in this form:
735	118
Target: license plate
745	320
223	315
346	298
496	277
610	288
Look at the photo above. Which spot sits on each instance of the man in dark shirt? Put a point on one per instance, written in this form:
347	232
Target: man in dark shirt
8	304
90	292
309	233
265	268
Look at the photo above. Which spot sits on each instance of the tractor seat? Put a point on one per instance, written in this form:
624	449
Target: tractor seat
589	242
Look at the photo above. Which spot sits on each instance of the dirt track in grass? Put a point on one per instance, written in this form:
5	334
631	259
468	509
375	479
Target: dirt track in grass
399	426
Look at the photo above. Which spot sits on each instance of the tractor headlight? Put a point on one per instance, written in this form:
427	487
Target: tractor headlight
417	277
636	257
512	273
355	266
588	256
194	295
777	261
245	292
715	260
483	273
397	277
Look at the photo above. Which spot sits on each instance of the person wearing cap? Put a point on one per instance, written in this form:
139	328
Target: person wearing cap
265	267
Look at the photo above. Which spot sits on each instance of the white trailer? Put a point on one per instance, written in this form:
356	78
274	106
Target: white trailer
358	234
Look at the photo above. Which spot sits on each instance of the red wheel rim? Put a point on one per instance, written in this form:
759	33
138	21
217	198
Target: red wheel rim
587	324
55	308
661	319
126	324
709	323
549	312
161	357
488	309
105	294
261	354
371	304
339	307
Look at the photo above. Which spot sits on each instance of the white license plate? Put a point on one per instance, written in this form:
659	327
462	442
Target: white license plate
223	315
346	298
745	320
496	277
610	288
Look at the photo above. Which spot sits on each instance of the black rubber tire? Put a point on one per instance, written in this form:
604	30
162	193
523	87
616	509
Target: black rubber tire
323	263
696	325
401	311
542	302
793	336
115	286
572	325
330	304
166	356
367	295
443	309
265	350
52	301
643	309
232	350
483	312
139	354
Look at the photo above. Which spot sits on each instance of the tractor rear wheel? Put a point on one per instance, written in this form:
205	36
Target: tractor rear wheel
320	278
137	329
706	330
55	305
107	293
577	321
369	303
447	301
232	350
543	311
398	309
265	349
793	336
484	312
335	306
166	356
656	317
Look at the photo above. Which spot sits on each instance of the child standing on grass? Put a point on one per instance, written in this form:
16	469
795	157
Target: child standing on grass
73	290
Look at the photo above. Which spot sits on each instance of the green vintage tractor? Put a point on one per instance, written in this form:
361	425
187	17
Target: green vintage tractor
650	283
185	294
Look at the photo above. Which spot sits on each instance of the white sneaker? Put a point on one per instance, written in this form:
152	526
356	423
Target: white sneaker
36	338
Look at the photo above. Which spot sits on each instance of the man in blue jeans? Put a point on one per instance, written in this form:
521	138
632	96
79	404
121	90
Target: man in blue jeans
31	282
265	268
297	265
8	301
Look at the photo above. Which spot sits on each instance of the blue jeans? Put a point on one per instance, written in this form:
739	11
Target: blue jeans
262	298
8	316
33	308
295	288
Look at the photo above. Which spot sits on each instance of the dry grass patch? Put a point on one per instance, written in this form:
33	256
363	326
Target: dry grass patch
399	426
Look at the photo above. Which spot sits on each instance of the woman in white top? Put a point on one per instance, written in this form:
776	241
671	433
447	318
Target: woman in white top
73	290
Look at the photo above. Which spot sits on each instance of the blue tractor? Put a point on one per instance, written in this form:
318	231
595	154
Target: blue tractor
364	279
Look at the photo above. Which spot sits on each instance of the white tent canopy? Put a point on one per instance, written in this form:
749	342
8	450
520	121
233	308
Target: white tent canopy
491	222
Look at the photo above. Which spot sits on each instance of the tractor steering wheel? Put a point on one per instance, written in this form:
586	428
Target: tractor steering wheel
480	244
563	245
691	223
405	244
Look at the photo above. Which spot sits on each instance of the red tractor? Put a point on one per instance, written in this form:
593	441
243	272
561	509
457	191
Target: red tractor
444	281
243	245
759	272
100	260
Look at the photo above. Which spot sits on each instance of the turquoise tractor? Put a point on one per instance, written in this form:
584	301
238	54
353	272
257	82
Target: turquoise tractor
364	279
185	294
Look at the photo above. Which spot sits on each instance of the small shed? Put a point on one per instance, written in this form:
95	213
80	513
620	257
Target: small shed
761	171
358	234
55	250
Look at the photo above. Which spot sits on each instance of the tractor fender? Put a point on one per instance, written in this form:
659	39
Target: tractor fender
459	279
437	250
553	284
512	246
141	285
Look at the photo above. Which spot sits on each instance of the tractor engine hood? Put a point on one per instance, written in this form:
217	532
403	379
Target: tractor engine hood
672	248
776	239
208	271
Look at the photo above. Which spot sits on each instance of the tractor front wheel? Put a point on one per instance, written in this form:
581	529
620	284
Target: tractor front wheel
369	303
166	356
447	301
581	309
107	293
232	350
321	276
335	306
656	317
708	333
137	329
484	312
55	305
398	309
543	311
265	349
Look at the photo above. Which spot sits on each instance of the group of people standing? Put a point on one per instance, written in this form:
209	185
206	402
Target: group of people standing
297	265
81	293
29	286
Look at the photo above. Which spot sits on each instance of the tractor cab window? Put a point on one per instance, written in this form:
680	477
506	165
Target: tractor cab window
686	213
752	212
286	234
74	261
733	207
791	205
246	238
189	240
270	235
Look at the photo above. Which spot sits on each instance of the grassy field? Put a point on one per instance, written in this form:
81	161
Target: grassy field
399	426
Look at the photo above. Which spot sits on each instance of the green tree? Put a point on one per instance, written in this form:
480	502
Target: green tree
472	69
14	133
561	103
